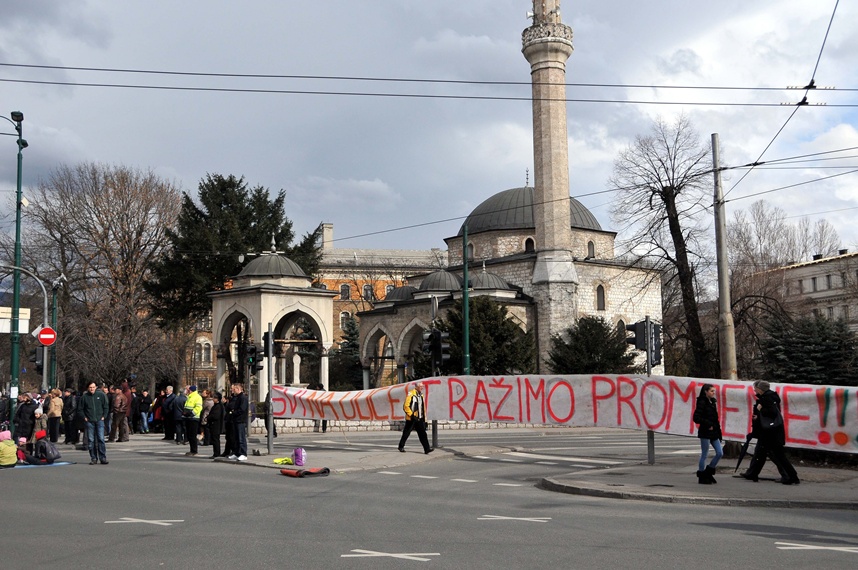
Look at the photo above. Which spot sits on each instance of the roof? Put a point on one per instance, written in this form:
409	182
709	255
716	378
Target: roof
441	281
272	265
513	210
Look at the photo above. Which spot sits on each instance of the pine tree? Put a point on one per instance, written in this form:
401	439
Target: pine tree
593	347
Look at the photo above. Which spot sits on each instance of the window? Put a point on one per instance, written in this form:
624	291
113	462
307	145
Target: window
813	284
621	326
800	286
843	279
600	298
368	293
207	353
831	313
345	292
816	313
828	282
388	289
204	323
344	318
845	312
198	354
529	245
321	286
591	250
470	251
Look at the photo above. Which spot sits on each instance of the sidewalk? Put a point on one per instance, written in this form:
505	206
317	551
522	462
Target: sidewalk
671	479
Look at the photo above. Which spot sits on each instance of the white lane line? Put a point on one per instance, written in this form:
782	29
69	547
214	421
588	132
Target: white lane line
465	480
510	460
144	521
423	477
798	546
507	484
418	556
554	457
500	518
547	463
389	472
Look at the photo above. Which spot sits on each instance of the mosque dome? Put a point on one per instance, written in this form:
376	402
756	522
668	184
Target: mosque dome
404	293
272	265
513	210
441	280
485	280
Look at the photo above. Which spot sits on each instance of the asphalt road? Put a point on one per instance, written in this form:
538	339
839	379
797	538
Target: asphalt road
153	508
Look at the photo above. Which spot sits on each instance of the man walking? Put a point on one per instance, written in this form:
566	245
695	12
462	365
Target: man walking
415	418
95	408
167	414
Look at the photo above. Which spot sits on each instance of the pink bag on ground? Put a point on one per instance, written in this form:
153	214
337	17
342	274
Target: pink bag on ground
299	456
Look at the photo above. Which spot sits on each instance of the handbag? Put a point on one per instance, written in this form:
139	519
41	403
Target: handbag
771	423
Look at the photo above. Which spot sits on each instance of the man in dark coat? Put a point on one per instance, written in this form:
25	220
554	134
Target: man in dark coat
69	411
95	409
769	441
167	414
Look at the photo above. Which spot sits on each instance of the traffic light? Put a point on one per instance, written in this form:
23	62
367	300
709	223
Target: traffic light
266	338
426	346
254	363
638	338
38	357
440	348
655	345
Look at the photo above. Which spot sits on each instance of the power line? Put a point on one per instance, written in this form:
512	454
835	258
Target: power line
398	95
396	79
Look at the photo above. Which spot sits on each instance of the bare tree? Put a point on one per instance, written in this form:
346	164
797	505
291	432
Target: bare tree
761	241
101	227
663	184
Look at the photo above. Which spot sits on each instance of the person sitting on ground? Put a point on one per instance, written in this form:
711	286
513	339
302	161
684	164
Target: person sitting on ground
8	450
45	452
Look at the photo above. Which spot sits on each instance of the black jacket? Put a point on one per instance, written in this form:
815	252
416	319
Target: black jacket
770	407
706	414
215	419
25	419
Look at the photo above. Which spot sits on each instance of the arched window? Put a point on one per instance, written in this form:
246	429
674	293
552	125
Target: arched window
529	245
198	353
207	353
470	251
600	298
591	250
621	326
368	293
322	286
345	292
344	318
388	289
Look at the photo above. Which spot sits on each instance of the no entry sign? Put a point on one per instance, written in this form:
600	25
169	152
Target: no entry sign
47	336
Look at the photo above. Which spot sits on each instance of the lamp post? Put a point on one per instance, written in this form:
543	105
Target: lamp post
17	117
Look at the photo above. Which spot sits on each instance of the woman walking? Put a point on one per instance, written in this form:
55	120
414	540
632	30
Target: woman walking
709	432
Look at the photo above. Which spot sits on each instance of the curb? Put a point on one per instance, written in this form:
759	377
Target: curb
549	484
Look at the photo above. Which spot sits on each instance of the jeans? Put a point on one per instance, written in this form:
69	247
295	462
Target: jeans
240	438
144	422
704	451
95	434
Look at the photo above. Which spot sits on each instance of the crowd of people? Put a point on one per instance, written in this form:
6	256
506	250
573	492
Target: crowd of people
103	414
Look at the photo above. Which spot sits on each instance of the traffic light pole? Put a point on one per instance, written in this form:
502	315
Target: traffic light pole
44	315
269	418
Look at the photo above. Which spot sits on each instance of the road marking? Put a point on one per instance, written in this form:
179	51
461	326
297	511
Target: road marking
507	484
796	546
156	522
465	480
554	457
547	463
500	518
401	555
390	473
686	452
423	477
510	460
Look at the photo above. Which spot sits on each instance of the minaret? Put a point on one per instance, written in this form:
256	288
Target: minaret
546	45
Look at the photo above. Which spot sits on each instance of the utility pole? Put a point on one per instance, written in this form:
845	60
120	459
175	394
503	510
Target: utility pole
726	330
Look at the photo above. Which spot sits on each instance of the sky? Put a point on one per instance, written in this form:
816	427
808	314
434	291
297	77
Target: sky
399	164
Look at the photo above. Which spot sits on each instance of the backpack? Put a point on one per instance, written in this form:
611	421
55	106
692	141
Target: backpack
47	451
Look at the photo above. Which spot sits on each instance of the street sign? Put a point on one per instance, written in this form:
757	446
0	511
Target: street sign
47	336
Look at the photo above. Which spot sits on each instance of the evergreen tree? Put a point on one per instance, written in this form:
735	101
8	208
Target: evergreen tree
810	350
497	344
231	219
594	347
346	372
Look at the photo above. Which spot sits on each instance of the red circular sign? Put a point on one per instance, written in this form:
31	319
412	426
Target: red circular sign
47	336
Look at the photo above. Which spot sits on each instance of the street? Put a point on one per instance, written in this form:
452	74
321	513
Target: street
151	507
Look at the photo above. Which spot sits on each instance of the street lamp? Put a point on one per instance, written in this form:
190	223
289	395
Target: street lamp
17	117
